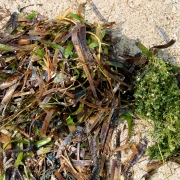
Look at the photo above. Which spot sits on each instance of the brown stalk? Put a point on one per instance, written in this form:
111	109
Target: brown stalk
121	148
46	122
106	125
96	120
10	81
58	175
48	64
65	92
79	51
113	167
9	94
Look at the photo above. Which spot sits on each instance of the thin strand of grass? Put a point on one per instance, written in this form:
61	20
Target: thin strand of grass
99	41
69	20
164	165
13	117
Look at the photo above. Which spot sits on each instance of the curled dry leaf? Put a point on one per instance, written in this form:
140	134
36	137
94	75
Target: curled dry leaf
9	94
10	81
46	122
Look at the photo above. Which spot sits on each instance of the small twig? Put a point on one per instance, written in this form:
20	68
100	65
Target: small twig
21	9
8	164
69	163
96	168
97	12
163	34
11	22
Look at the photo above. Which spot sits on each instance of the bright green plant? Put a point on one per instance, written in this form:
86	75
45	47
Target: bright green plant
157	98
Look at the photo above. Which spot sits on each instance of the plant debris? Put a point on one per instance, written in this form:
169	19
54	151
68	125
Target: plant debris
157	98
62	91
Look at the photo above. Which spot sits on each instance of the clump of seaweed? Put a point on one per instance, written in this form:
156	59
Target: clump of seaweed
62	88
157	98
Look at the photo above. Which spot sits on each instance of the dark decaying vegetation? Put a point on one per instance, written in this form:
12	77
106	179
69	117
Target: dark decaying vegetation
62	90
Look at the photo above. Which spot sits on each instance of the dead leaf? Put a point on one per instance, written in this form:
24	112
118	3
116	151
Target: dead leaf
47	119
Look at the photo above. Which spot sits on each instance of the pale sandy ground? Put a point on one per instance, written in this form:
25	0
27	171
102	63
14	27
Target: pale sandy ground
135	19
